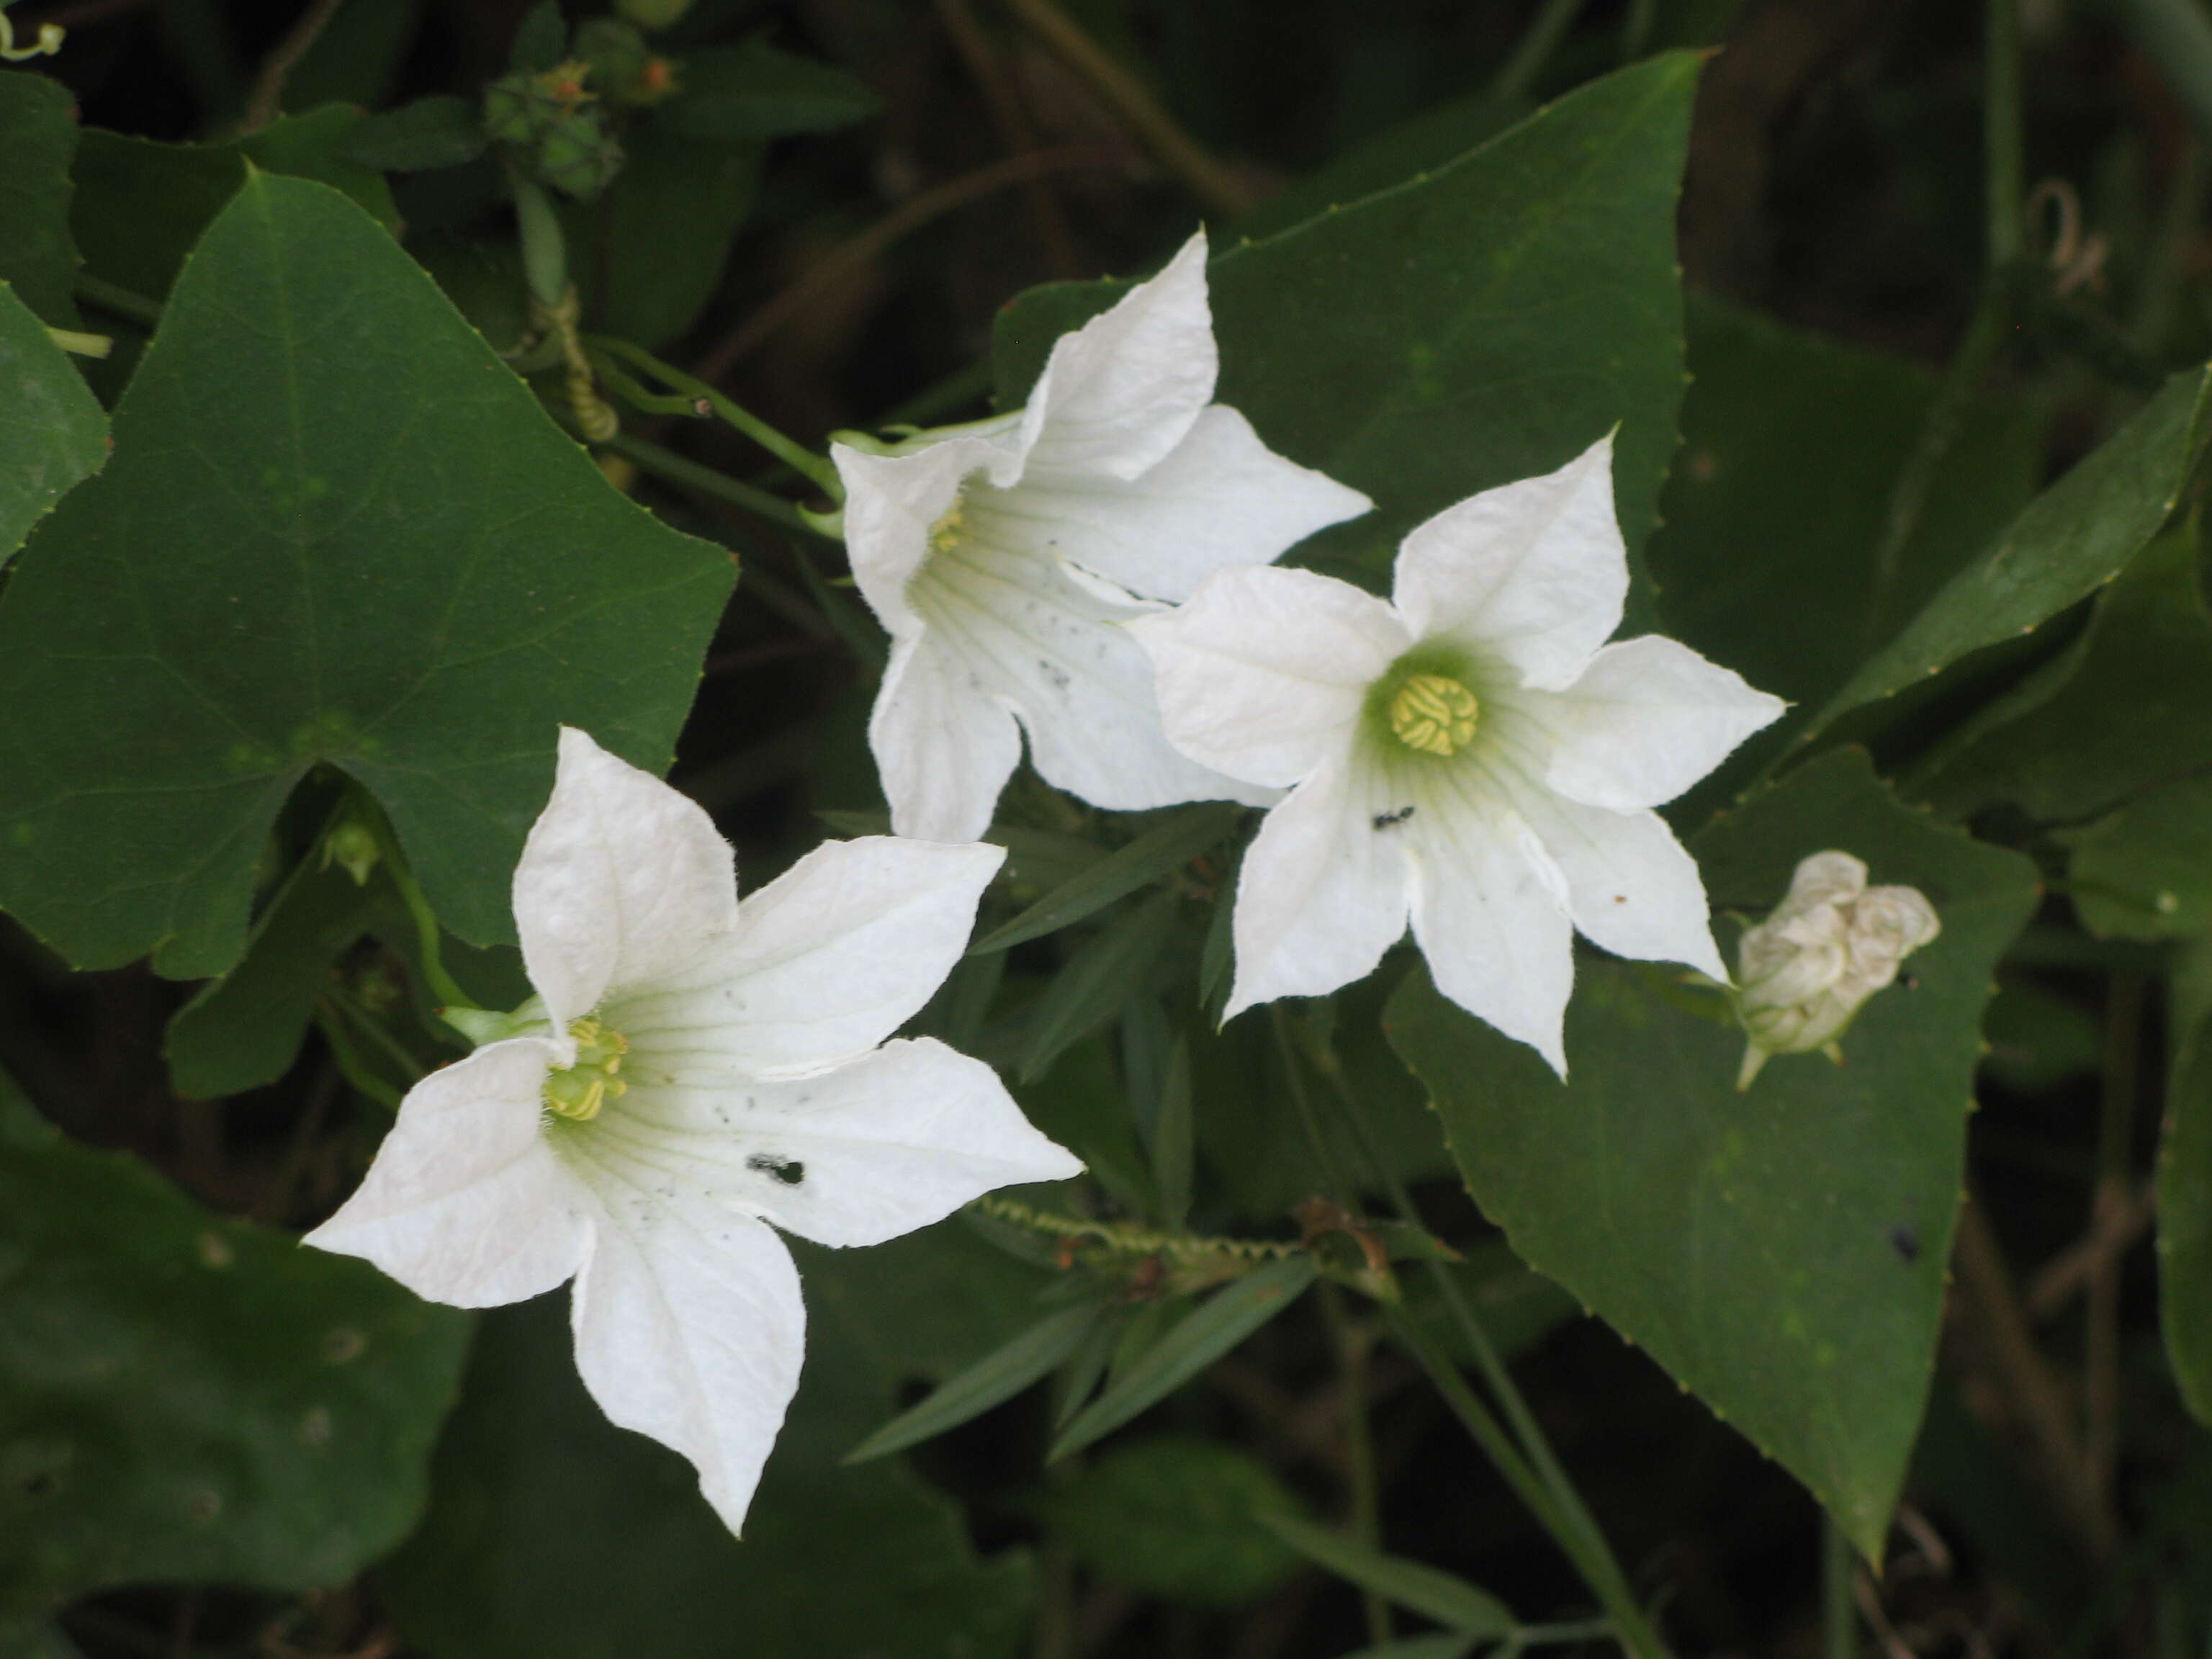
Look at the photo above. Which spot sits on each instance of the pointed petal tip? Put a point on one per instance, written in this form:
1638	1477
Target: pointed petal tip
1055	1162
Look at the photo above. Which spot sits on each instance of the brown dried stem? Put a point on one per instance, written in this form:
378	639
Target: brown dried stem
1213	184
849	256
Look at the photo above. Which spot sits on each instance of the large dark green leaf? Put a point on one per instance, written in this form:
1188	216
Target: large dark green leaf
661	234
443	131
52	432
2146	872
1434	138
1790	443
38	135
554	1535
185	1397
751	91
1479	324
1781	1251
2125	710
2070	540
337	531
140	205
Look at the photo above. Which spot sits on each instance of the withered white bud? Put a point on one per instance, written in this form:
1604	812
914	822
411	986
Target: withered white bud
1805	972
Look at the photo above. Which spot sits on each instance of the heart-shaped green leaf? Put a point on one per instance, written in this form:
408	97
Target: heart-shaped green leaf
1781	1251
185	1397
1482	322
53	433
337	531
38	135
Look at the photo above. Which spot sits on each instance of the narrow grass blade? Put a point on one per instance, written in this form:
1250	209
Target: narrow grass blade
1208	1332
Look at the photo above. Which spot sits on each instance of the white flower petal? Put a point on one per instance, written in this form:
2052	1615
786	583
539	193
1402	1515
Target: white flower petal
1631	888
1219	498
826	961
464	1204
1263	674
1324	890
944	746
1026	634
892	503
1120	392
1647	720
690	1329
888	1142
1535	570
623	878
1490	911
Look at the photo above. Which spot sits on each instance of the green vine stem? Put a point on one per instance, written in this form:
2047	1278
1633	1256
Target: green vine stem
671	468
798	457
427	935
347	1057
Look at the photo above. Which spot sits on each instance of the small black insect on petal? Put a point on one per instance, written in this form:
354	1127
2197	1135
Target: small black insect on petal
1904	1239
1389	820
789	1170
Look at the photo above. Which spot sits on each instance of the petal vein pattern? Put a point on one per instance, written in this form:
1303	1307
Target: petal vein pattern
711	1067
1469	755
1007	566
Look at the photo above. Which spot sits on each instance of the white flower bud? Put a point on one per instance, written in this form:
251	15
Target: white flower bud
1832	942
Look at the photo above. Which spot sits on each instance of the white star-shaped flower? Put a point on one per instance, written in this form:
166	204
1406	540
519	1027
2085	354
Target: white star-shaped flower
1470	755
1003	558
691	1071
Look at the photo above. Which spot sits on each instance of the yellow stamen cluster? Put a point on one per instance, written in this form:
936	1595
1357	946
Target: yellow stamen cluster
578	1090
1434	713
945	534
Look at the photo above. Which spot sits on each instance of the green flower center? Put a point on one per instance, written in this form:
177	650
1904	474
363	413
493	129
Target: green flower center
1434	713
578	1090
